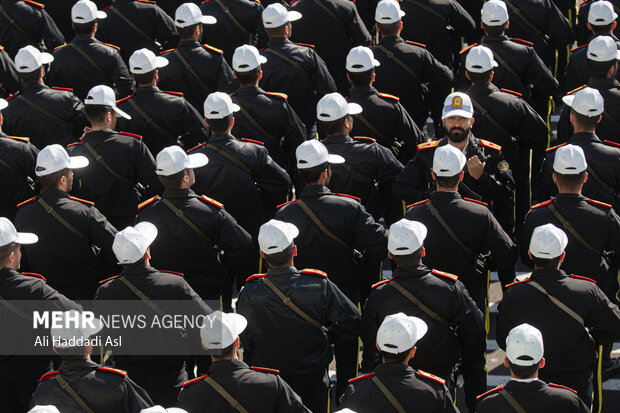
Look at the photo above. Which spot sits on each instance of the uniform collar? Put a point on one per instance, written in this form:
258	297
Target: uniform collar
98	134
8	272
224	366
337	139
394	369
138	270
188	43
363	91
221	137
277	272
525	386
482	90
584	137
278	41
36	87
249	91
543	275
146	90
179	193
391	41
84	40
445	195
68	366
314	191
570	198
470	149
413	271
492	39
47	193
603	83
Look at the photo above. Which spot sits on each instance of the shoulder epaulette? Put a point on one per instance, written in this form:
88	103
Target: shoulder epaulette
467	48
213	49
312	271
278	95
147	1
253	141
19	138
1	47
111	370
84	201
542	204
126	98
556	147
206	1
416	43
197	146
170	92
365	138
576	90
61	46
108	279
388	96
490	145
265	369
526	42
66	89
517	282
445	274
111	45
512	92
350	196
500	387
180	274
148	201
580	277
107	7
187	383
11	97
559	386
34	198
476	201
431	376
211	201
578	47
34	274
584	2
168	51
305	44
417	203
375	285
286	203
612	143
599	203
255	277
133	135
427	145
365	376
34	3
49	375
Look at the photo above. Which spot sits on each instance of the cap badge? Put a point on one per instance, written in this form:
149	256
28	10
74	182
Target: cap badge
457	102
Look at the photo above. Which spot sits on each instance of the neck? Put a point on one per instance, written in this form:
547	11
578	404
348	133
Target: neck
460	145
579	129
255	84
278	36
562	190
151	84
450	189
100	126
514	376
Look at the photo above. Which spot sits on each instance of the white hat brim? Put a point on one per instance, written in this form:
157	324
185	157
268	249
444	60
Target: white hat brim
197	160
101	14
568	100
262	59
208	19
161	61
335	159
26	238
458	112
3	104
421	328
147	230
402	13
235	107
121	113
293	16
376	62
77	162
46	58
239	323
354	108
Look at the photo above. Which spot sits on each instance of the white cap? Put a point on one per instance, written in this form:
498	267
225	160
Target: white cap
494	13
275	236
144	61
173	159
276	15
44	409
8	234
457	104
333	107
569	160
399	332
104	95
54	158
603	49
3	104
161	409
218	105
406	237
601	13
388	11
547	242
131	244
220	330
448	161
74	326
587	101
361	59
524	345
29	58
480	59
247	58
85	11
313	153
189	14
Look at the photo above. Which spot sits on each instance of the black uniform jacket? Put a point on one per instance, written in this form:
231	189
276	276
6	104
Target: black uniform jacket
10	80
21	156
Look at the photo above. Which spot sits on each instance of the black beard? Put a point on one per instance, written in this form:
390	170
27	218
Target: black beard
458	134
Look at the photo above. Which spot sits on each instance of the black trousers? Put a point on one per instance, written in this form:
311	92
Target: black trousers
313	389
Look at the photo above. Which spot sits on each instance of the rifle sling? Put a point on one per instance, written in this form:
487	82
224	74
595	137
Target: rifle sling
47	207
179	213
147	118
107	167
428	9
490	118
328	11
191	70
388	395
12	21
64	384
232	17
611	119
87	58
417	302
131	24
557	302
445	226
8	166
355	172
505	65
227	396
319	224
231	158
512	401
44	111
403	65
599	180
290	61
257	125
14	309
525	20
372	128
567	225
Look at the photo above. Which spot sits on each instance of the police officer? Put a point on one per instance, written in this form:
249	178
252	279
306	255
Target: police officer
343	30
582	31
216	247
75	248
369	170
278	335
603	158
408	69
240	23
169	6
560	306
19	374
338	237
384	118
602	62
162	118
38	109
87	62
437	298
137	24
265	116
10	81
99	388
258	388
508	121
160	376
488	177
524	357
122	167
462	229
395	384
195	70
260	183
25	22
294	69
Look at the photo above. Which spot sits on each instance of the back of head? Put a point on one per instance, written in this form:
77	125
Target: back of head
494	17
388	17
602	54
397	335
524	350
405	241
275	239
602	17
547	245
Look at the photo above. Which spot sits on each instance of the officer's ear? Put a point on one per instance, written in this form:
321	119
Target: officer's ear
542	363
261	254
585	176
390	256
232	121
400	25
506	362
260	74
613	26
461	176
412	352
294	250
434	175
491	76
590	28
423	252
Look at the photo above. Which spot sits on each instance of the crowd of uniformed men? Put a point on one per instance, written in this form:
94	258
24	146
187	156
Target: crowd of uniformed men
135	148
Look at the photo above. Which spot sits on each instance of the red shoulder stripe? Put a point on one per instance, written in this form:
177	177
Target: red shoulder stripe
49	375
350	196
34	274
375	285
111	370
197	146
108	279
124	99
312	271
388	96
562	387
253	141
476	201
148	202
467	48
512	92
34	198
75	143
417	203
187	383
612	143
286	203
66	89
542	204
517	282
365	138
34	3
212	201
416	43
82	200
265	369
523	41
365	376
170	92
445	274
168	51
599	203
578	47
133	135
306	44
579	277
489	392
19	138
13	96
180	274
431	376
255	277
